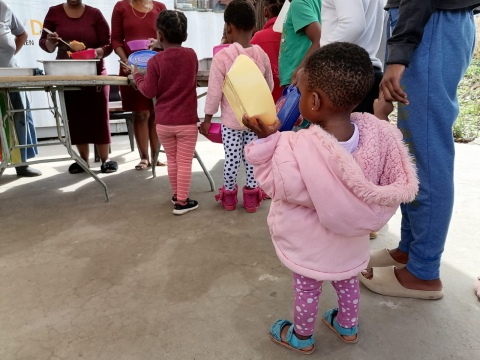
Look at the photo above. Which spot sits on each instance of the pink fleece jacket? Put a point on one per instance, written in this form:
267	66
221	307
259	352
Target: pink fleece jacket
221	64
327	201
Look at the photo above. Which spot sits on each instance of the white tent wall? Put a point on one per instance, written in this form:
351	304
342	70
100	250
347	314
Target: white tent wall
204	29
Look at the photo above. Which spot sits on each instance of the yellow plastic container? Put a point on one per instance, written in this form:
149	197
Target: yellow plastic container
248	93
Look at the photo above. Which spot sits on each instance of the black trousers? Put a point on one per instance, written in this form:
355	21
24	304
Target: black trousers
367	104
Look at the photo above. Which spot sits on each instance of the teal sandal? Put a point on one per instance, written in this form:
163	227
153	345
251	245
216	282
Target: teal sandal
294	343
330	319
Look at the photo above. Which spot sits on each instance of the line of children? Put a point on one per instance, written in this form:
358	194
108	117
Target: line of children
240	21
331	186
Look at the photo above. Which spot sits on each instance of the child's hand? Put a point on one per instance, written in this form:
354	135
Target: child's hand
205	128
154	44
259	128
382	108
135	69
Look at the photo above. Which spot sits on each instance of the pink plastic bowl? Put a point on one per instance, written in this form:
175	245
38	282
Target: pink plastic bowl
84	55
215	133
138	45
217	48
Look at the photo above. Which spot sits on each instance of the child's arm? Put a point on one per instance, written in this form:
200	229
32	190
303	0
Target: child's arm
214	93
274	164
382	108
148	84
262	155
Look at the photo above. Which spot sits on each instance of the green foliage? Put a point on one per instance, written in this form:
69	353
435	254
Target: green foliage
467	126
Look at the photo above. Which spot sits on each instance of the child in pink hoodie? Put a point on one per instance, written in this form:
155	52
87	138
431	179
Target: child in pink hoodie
331	186
240	22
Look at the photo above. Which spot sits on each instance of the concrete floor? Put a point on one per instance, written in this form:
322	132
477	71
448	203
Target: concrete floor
85	279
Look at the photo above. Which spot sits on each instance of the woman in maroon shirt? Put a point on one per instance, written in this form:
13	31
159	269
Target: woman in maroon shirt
136	20
87	110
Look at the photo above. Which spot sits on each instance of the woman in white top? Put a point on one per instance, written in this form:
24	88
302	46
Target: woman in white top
359	22
12	39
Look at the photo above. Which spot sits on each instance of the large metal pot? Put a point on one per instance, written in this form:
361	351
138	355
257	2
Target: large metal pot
70	67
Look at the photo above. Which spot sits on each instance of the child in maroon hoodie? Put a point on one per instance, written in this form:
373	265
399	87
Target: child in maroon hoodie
171	78
269	41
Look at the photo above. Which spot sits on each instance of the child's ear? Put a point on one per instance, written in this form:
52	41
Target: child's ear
266	13
185	38
228	28
316	102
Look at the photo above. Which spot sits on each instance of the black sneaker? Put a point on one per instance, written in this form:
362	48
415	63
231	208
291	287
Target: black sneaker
183	209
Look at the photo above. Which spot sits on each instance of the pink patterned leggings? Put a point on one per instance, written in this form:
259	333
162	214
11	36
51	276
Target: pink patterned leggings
307	293
179	142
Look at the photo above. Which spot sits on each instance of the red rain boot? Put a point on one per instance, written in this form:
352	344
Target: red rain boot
252	199
229	198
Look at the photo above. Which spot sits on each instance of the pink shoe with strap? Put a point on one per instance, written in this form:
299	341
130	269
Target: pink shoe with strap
229	198
252	199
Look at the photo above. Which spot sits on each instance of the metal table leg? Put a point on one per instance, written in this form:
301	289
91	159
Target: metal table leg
155	159
68	144
7	120
207	173
3	140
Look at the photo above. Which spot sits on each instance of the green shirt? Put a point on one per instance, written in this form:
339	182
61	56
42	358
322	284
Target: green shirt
295	43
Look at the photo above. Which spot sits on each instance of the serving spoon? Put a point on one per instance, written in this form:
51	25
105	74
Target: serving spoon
51	32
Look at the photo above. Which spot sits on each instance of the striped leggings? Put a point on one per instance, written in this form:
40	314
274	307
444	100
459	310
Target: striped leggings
179	142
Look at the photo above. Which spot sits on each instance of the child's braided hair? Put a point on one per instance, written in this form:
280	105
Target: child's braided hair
275	6
173	25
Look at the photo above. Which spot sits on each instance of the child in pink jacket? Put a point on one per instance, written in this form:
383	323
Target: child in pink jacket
240	22
331	186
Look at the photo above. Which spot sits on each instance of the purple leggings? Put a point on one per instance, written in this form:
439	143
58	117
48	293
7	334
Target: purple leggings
307	293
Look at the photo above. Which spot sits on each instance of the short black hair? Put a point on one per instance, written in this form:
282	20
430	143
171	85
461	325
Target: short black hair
241	14
275	6
173	25
342	71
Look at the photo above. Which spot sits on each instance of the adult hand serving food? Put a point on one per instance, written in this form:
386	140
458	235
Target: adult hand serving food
83	27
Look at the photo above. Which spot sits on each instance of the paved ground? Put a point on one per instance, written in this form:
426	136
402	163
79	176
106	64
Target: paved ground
84	279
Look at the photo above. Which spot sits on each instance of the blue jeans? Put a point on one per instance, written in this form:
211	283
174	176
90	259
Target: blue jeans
24	125
431	82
